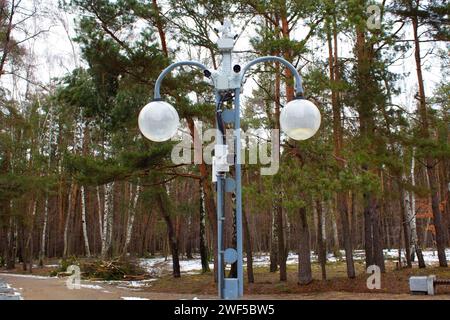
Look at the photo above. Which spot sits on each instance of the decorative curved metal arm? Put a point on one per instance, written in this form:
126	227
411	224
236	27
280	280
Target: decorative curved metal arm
298	78
157	94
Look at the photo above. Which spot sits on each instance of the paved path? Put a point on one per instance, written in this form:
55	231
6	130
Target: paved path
6	292
46	288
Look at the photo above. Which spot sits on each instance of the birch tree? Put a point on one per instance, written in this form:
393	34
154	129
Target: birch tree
107	221
131	215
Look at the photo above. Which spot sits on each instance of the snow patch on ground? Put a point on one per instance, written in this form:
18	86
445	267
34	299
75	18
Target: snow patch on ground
136	285
26	276
47	266
160	265
14	292
140	284
91	286
430	256
133	298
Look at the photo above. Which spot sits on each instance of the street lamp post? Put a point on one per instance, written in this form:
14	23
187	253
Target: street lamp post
159	121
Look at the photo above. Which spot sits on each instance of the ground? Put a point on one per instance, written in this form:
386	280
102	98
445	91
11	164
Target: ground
194	285
394	283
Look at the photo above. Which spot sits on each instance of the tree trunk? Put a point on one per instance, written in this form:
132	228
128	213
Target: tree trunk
366	89
437	216
108	219
172	237
321	246
203	245
28	250
304	250
173	242
248	248
70	205
342	203
336	246
377	237
84	222
44	233
160	27
405	226
131	216
273	243
325	212
12	241
416	248
430	162
353	219
373	241
287	54
282	255
100	215
343	210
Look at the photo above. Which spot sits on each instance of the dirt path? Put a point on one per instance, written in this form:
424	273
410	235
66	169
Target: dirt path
45	288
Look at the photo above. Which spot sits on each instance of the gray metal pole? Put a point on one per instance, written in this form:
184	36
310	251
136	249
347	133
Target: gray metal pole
220	215
238	174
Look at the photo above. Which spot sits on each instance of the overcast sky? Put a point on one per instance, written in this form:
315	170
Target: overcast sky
53	54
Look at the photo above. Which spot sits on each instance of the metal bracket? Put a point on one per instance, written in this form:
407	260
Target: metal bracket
228	115
230	185
230	255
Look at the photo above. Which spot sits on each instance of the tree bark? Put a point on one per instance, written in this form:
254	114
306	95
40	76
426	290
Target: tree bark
405	226
416	248
70	206
43	234
131	216
366	88
321	246
172	237
202	229
100	215
373	239
84	222
368	240
273	267
12	241
248	248
342	203
282	254
377	236
336	246
304	250
160	27
343	210
108	219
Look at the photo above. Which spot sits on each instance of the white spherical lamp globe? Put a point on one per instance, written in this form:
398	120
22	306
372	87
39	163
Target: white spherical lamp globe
300	119
158	121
